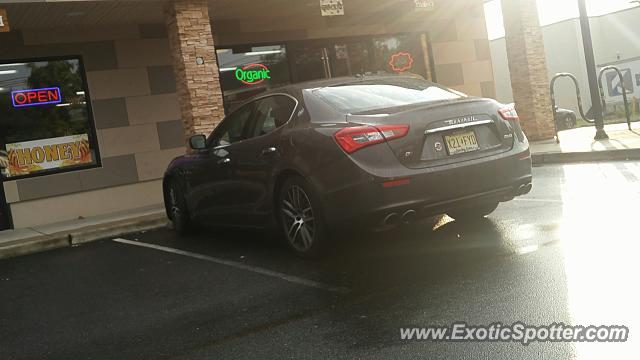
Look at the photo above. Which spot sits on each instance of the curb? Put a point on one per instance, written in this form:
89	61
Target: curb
102	231
33	245
82	235
592	156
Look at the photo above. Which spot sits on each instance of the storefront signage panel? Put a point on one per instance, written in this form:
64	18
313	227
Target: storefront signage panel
35	97
4	21
253	74
331	7
32	156
401	62
425	4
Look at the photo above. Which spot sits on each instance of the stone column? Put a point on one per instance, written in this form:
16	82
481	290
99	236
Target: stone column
528	68
194	65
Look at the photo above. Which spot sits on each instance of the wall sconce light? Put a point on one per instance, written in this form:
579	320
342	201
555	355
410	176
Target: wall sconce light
200	60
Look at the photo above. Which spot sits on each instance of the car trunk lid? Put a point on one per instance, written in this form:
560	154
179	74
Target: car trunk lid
444	132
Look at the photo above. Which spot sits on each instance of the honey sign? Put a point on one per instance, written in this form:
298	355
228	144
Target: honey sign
32	156
4	21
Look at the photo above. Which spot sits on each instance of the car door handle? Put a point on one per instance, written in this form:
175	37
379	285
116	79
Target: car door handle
224	161
269	150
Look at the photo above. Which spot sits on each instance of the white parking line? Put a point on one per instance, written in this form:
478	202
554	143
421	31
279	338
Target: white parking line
237	265
539	200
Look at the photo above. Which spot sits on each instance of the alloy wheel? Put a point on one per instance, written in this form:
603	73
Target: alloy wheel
298	217
175	207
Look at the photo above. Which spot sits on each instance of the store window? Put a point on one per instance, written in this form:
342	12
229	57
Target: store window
46	125
352	58
328	58
405	54
249	70
402	53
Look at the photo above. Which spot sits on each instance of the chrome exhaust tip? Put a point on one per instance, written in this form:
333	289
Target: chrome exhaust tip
409	216
391	220
524	189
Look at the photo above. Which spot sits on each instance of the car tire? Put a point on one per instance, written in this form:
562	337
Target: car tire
178	212
300	218
473	212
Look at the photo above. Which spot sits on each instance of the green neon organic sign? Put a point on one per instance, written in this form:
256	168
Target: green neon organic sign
253	74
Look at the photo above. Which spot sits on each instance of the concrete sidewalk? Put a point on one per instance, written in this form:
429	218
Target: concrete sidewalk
577	145
40	238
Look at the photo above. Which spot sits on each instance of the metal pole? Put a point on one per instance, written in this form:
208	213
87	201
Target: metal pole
591	71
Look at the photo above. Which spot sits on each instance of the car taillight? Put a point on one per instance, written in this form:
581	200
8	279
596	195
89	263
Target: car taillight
354	138
509	114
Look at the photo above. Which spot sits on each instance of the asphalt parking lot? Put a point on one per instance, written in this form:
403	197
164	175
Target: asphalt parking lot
567	252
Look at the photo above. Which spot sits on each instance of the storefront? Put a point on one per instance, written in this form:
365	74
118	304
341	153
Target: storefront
296	61
46	120
97	97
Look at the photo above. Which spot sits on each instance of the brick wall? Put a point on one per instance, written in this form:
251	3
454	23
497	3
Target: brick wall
528	68
190	39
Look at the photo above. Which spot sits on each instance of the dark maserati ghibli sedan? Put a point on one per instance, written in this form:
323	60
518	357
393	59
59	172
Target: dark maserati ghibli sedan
381	151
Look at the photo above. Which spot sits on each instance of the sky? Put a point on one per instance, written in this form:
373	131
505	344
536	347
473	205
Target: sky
551	11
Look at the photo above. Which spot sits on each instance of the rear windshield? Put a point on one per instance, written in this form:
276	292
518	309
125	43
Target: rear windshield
368	96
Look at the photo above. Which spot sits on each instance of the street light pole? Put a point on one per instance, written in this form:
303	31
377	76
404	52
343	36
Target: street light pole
587	43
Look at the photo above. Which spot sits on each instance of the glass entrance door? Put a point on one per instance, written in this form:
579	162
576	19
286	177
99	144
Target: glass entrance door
312	61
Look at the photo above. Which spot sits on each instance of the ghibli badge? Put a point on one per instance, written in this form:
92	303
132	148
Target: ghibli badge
460	120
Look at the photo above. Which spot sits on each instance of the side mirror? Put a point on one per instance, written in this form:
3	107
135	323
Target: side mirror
198	142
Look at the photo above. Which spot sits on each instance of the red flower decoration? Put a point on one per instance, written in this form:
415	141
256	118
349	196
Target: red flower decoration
401	61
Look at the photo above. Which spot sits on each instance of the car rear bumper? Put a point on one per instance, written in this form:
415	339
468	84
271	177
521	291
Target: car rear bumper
430	191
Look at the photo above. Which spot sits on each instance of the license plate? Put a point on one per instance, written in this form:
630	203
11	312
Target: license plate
461	142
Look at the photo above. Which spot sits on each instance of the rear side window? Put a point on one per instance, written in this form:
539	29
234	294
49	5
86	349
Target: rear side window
368	96
271	113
